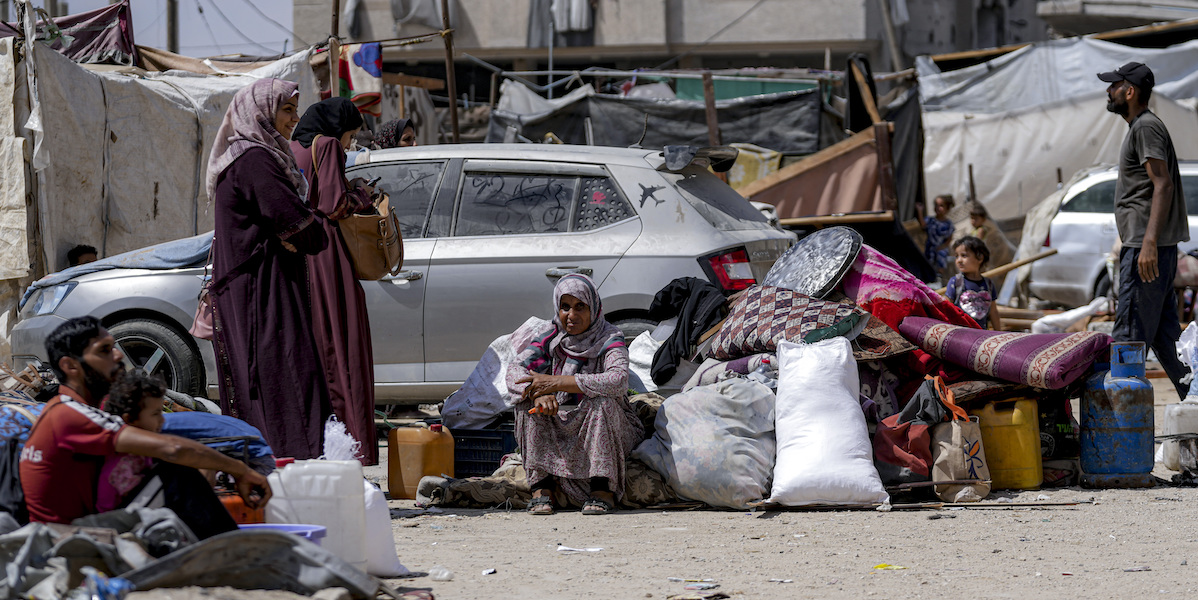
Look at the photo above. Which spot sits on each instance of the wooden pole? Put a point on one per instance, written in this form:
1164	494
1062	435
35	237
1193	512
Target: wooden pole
172	25
896	56
713	120
450	77
1011	266
973	189
335	52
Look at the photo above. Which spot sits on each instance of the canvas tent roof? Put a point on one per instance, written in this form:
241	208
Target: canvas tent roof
1051	72
1020	117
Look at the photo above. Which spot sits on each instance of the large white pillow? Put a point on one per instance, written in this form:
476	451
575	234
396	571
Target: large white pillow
824	453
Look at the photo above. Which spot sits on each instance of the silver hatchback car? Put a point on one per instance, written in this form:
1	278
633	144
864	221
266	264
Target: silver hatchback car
1084	232
488	229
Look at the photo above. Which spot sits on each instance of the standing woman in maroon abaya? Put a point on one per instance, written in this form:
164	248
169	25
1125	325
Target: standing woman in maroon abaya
270	373
339	318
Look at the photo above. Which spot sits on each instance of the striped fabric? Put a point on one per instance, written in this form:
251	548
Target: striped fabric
1042	360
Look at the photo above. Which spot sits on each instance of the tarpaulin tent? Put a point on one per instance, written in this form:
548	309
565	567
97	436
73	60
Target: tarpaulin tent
1020	117
114	157
788	122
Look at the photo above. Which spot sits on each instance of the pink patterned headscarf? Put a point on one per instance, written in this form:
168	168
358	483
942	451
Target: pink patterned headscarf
249	123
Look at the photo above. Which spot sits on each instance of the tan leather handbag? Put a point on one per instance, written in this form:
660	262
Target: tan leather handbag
373	240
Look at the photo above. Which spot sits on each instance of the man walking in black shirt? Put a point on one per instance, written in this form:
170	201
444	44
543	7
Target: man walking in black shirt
1150	214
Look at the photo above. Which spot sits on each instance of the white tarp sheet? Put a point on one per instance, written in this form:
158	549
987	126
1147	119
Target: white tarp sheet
123	168
1052	71
1016	154
14	252
515	97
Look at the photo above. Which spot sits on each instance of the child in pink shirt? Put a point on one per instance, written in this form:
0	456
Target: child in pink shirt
137	398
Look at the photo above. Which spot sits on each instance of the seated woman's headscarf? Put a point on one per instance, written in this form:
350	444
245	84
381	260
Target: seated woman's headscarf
391	132
581	350
332	117
250	123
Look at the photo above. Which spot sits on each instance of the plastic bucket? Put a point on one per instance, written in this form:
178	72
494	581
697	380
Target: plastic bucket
312	533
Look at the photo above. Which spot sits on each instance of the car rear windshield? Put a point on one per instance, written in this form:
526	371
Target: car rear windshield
719	204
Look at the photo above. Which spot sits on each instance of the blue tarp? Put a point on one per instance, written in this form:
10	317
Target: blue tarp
174	254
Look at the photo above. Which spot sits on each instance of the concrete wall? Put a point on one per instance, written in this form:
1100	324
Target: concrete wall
504	23
941	26
776	21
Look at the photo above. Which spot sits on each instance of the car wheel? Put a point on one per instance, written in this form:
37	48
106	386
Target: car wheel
160	350
634	326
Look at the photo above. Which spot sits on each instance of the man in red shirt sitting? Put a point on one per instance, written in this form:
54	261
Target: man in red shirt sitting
60	464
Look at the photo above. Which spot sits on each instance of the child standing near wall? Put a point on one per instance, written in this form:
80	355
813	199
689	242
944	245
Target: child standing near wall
976	295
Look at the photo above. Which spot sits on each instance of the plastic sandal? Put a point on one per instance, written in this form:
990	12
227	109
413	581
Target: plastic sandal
535	504
596	506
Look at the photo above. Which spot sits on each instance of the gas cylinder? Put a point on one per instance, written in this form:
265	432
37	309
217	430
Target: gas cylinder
1117	426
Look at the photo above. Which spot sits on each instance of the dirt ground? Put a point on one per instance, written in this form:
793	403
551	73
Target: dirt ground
1114	544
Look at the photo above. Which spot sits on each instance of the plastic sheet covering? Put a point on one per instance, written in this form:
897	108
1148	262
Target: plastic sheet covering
1049	72
254	560
1015	155
104	35
120	165
517	98
14	253
787	122
817	263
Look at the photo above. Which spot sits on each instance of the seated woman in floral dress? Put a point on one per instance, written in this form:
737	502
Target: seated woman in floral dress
579	357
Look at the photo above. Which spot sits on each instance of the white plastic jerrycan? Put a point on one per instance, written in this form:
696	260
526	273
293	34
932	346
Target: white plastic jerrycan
328	493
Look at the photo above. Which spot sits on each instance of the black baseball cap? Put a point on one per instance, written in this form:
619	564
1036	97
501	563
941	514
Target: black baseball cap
1137	74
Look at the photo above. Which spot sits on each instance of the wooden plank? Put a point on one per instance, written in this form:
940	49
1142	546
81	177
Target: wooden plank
1145	29
809	162
428	83
713	121
885	167
983	53
821	220
871	104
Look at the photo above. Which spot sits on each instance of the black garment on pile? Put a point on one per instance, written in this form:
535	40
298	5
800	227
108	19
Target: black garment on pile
699	305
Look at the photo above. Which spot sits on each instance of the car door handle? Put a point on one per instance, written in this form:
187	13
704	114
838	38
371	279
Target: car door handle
556	272
403	277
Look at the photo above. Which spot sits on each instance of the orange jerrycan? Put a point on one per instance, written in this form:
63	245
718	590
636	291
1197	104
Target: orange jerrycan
412	453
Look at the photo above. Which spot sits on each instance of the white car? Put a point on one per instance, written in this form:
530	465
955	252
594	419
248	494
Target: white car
1084	232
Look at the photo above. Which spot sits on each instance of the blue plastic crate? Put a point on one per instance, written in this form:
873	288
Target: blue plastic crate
476	452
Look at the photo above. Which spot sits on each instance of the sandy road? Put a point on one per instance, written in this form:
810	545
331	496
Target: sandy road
1071	551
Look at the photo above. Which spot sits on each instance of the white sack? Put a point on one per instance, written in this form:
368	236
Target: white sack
381	560
484	395
824	453
1059	322
640	360
715	443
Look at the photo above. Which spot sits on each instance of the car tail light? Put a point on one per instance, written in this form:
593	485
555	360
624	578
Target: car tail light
732	270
